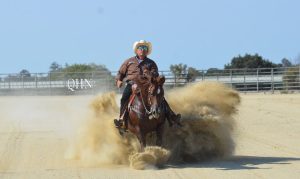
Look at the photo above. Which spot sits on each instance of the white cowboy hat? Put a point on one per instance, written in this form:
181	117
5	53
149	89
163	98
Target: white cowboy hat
142	42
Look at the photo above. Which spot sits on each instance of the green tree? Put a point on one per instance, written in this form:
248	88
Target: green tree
213	71
182	71
91	70
78	68
25	73
286	63
178	70
250	61
192	74
87	70
55	67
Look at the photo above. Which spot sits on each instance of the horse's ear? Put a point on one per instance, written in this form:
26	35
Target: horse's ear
160	80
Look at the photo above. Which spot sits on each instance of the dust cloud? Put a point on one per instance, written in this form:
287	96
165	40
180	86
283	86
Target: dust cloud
97	141
207	116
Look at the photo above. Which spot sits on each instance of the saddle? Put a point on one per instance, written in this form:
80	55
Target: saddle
123	127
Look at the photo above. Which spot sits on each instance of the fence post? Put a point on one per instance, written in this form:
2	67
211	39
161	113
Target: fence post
299	78
245	80
49	76
93	82
231	78
257	80
9	85
23	84
272	76
65	84
174	79
36	83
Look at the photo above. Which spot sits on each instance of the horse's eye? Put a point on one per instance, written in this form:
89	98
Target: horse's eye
158	90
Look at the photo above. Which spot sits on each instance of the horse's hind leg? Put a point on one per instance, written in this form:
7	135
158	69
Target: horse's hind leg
159	134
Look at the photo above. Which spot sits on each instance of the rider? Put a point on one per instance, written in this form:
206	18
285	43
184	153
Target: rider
130	70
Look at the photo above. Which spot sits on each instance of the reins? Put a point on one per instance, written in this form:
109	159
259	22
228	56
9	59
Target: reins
147	111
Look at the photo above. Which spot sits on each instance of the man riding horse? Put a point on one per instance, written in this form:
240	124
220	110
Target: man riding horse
131	70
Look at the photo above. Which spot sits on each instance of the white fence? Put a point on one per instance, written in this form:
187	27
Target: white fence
247	80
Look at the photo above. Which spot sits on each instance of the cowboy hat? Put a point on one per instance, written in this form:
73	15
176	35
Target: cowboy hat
140	43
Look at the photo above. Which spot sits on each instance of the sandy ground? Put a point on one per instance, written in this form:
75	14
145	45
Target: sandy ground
35	133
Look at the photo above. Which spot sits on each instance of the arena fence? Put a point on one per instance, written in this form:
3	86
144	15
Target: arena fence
284	80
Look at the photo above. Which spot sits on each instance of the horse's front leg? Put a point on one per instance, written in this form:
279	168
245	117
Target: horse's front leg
141	137
159	134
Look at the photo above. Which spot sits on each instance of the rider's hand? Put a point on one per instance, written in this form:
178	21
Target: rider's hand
119	84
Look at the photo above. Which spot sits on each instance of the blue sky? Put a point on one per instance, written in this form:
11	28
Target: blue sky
199	33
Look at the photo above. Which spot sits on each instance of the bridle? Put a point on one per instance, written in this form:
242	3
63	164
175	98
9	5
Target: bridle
151	115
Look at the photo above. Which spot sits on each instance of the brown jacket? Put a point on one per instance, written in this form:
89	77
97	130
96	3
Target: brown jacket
131	68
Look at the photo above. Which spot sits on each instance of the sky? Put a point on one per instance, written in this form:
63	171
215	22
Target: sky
199	33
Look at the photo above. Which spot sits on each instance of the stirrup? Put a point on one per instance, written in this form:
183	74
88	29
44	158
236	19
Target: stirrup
120	125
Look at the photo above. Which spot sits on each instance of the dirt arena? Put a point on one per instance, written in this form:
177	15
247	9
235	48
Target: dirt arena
39	139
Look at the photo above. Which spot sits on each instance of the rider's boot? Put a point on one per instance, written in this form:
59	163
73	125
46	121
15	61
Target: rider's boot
119	123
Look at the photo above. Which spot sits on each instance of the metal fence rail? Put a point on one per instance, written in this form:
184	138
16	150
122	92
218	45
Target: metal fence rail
246	80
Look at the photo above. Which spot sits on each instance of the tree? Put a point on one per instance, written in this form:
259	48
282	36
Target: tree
74	71
250	61
185	73
192	74
91	70
178	70
24	73
213	71
286	63
77	68
55	67
96	67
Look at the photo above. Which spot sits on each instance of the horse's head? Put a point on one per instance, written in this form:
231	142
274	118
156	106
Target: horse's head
155	95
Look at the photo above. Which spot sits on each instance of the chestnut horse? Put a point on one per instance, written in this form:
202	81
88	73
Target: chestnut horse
146	109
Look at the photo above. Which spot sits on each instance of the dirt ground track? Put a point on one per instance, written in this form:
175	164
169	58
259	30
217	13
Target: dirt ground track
35	132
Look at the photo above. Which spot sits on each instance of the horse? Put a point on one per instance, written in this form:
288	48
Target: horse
146	112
